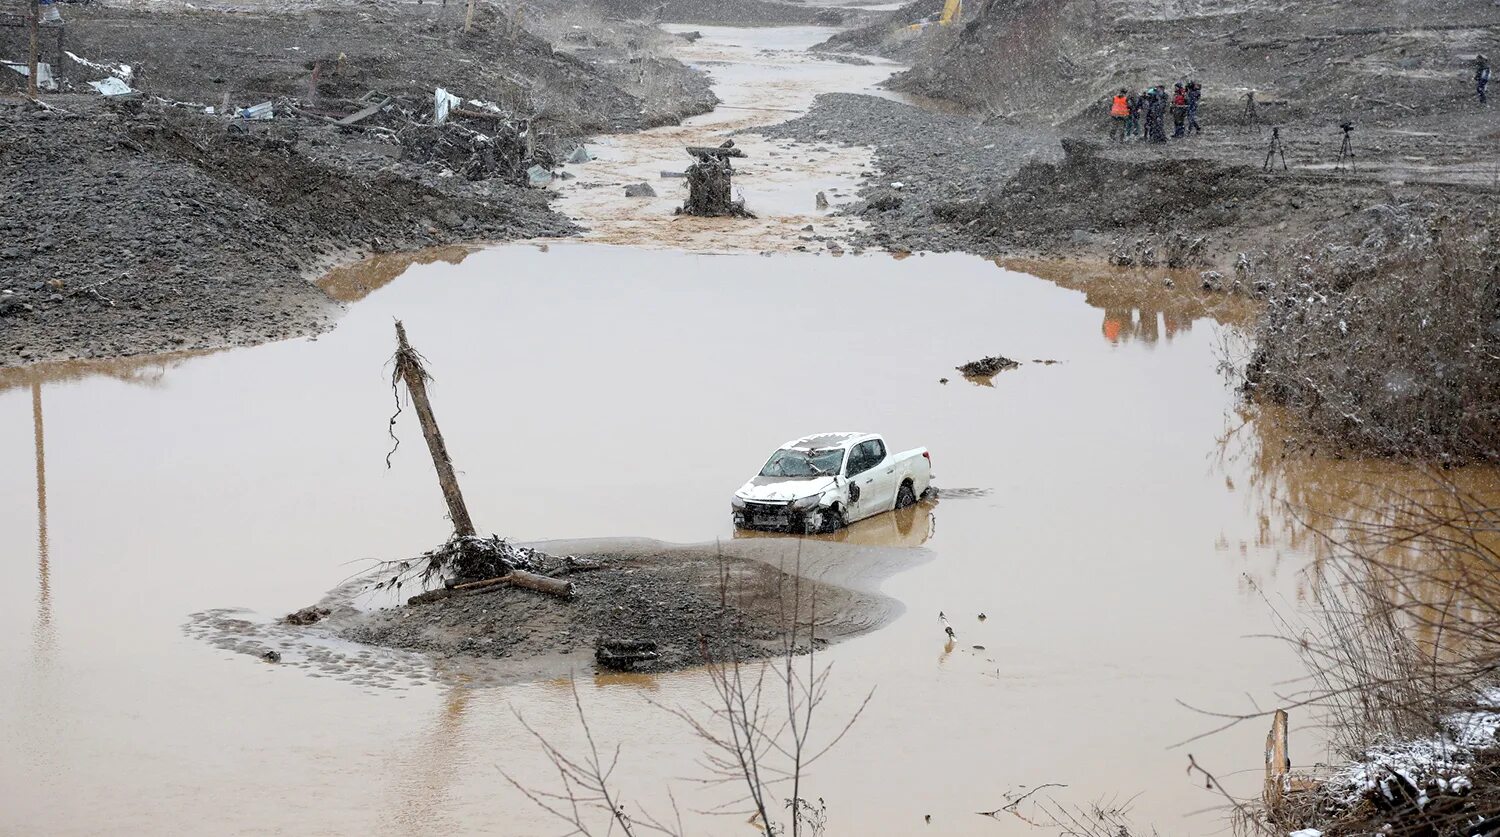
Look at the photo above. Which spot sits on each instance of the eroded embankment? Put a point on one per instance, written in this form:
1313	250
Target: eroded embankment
151	222
964	183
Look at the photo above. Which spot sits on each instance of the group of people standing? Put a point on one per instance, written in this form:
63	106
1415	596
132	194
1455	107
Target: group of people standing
1144	115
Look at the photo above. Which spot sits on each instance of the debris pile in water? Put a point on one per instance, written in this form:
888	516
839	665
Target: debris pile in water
987	366
709	186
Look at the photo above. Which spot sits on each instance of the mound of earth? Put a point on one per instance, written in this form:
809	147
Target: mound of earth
1356	58
343	52
191	236
684	602
889	34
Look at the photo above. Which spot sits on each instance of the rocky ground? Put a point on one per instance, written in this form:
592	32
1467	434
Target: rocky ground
1013	187
145	223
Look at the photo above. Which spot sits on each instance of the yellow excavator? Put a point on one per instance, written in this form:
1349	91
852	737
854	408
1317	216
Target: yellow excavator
951	11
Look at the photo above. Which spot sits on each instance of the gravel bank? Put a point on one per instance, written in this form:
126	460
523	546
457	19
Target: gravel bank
935	157
1020	188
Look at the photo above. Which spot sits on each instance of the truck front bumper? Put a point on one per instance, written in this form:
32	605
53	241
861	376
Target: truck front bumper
779	517
768	517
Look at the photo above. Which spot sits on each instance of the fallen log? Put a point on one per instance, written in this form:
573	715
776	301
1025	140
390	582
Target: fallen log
515	578
541	583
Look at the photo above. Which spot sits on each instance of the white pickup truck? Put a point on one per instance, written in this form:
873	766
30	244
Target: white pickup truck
821	483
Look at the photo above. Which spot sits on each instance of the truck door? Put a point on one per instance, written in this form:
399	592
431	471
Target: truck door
883	477
867	472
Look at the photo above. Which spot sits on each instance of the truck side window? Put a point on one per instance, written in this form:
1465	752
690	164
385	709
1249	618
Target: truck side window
877	452
862	459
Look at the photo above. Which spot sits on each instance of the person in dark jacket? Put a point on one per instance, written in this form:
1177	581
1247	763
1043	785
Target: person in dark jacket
1179	111
1155	110
1133	121
1481	78
1194	93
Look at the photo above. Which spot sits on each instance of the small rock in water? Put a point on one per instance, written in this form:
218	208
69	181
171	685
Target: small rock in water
271	656
306	616
640	190
821	201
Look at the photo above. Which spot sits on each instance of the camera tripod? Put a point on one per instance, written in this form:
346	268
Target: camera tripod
1346	151
1275	150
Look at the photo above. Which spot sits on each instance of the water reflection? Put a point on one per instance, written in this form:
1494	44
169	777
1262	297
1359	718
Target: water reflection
430	767
353	282
908	527
1301	492
1140	306
142	370
43	633
1144	325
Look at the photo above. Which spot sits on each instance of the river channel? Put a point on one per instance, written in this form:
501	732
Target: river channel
1115	515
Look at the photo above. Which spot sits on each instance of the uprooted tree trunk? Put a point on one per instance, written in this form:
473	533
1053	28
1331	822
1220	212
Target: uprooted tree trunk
465	557
709	183
409	369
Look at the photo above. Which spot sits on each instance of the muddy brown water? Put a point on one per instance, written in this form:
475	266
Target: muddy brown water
1112	515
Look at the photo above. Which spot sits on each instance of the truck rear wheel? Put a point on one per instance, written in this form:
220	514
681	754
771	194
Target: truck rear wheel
906	496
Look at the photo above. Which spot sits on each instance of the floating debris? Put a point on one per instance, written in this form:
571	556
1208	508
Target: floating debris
987	366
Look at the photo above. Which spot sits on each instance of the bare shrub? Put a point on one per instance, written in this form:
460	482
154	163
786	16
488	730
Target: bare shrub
1389	344
1403	655
757	730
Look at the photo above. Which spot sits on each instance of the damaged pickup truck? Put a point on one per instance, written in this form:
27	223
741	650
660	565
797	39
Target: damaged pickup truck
822	483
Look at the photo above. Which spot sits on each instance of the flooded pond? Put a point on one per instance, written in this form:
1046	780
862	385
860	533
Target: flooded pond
594	391
1111	514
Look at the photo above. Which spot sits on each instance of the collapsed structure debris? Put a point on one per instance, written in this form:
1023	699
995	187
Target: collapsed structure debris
624	654
709	183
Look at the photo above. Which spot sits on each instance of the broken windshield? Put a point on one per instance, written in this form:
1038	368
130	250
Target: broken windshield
804	463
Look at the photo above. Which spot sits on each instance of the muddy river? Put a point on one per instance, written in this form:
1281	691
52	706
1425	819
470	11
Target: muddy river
1112	514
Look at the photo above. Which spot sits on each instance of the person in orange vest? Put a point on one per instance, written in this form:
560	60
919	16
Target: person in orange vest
1119	113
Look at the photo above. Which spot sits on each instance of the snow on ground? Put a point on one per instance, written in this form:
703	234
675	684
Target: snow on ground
1443	760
